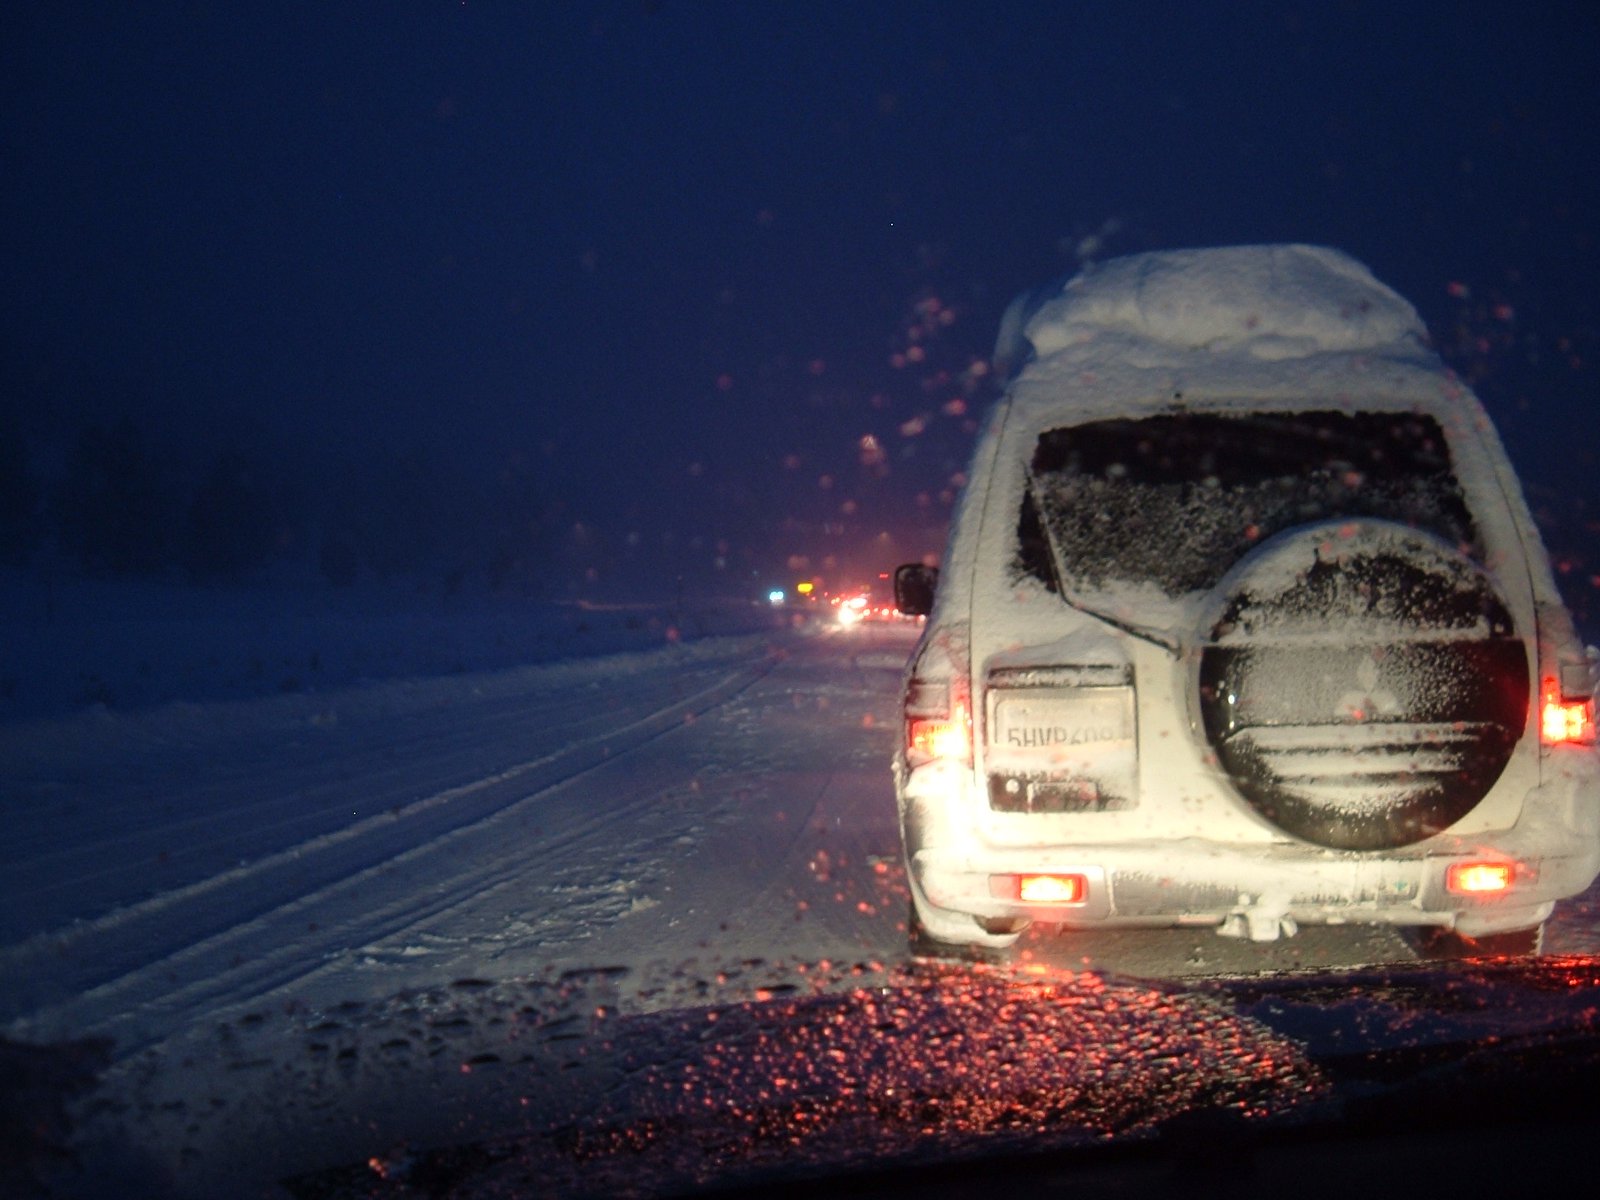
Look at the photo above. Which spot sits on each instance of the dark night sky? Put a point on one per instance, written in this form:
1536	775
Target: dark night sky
659	255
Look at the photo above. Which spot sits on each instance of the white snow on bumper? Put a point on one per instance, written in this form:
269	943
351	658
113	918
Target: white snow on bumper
1265	891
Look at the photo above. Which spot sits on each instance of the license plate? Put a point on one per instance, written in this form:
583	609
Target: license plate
1087	721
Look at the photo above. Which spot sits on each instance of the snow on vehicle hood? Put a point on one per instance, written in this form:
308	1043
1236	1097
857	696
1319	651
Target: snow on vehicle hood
1263	302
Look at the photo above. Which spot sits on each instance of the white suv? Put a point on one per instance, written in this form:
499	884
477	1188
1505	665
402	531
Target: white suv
1243	623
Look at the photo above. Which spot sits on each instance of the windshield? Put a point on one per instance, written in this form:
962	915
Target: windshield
455	738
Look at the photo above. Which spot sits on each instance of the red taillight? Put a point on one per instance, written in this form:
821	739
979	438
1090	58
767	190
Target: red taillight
1566	707
941	737
1053	889
1040	889
938	721
1478	878
1566	722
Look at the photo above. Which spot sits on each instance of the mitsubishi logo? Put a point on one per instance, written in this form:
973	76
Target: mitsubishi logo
1368	701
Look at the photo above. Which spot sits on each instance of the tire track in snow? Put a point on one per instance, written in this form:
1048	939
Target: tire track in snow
92	973
241	965
160	808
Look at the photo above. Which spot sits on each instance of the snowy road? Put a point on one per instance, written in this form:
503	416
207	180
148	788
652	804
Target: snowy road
702	820
170	865
378	916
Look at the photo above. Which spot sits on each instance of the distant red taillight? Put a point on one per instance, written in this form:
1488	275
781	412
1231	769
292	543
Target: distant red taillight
1478	878
1040	889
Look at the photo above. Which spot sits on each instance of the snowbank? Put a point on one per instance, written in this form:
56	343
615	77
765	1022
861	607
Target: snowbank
123	645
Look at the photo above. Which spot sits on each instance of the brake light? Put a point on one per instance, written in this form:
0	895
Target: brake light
1566	722
941	737
1477	878
938	721
1041	889
1053	889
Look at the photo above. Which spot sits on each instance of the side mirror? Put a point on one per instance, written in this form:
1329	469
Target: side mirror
914	584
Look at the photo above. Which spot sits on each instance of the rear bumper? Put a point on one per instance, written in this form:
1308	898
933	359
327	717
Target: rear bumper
1264	890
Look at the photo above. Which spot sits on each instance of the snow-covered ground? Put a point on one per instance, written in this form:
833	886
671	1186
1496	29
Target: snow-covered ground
72	643
318	926
643	819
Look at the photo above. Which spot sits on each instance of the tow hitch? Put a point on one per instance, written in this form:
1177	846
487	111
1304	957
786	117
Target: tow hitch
1259	919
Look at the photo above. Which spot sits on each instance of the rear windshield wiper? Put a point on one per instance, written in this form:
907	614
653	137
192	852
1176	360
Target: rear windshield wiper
1156	637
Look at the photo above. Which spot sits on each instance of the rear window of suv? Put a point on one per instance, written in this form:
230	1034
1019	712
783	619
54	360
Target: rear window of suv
1175	500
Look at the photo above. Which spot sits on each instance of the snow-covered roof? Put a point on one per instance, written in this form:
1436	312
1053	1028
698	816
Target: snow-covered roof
1256	302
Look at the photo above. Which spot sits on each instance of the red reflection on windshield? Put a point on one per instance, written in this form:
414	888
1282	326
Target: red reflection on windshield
946	1054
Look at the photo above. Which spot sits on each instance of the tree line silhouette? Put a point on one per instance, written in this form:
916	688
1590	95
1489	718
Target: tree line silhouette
118	503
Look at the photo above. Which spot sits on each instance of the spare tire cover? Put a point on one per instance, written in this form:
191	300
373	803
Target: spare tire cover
1361	683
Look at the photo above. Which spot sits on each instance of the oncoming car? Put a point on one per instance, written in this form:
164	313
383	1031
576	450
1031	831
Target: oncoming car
1243	623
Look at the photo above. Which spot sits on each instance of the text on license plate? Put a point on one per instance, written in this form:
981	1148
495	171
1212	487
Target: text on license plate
1085	719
